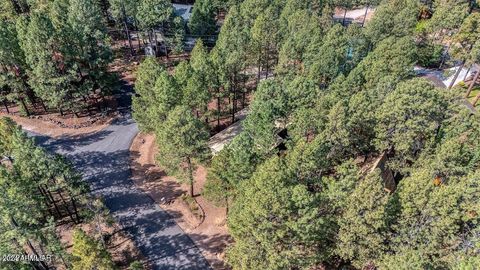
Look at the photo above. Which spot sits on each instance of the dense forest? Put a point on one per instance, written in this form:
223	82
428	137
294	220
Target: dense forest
347	158
54	55
299	182
41	191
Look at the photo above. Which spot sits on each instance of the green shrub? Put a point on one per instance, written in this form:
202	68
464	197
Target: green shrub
428	54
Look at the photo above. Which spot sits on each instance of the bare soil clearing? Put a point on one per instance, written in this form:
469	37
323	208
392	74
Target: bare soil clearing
211	234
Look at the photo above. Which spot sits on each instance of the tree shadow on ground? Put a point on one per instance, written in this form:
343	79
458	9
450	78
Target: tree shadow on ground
70	143
214	244
154	230
164	192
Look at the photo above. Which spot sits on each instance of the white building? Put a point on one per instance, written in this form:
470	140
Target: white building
184	11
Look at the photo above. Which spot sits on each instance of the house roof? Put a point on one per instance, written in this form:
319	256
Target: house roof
185	11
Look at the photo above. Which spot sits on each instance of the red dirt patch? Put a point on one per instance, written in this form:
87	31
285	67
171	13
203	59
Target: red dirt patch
51	129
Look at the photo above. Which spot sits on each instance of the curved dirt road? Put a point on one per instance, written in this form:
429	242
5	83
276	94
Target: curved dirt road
103	158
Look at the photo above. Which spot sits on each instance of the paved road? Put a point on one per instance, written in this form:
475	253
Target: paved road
103	158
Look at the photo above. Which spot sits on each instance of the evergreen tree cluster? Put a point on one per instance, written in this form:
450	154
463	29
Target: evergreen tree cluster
54	54
175	108
38	191
154	19
328	100
344	94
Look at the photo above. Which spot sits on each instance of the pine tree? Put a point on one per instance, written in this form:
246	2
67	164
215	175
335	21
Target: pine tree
89	253
228	58
122	11
275	222
51	75
466	42
182	142
301	31
147	74
234	164
90	46
409	119
392	18
202	23
33	181
66	52
176	35
438	217
393	58
268	107
364	224
331	57
198	81
153	14
265	38
448	15
12	63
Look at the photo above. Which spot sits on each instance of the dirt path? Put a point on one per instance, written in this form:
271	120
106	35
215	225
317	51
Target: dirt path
210	236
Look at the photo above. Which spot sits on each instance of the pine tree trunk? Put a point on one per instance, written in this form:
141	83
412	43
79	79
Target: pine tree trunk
470	87
365	16
127	32
6	106
234	99
266	64
218	108
244	88
444	56
138	40
190	175
226	206
74	204
34	251
65	205
344	16
43	106
150	37
474	103
258	72
156	42
31	99
45	195
164	40
24	106
244	98
32	263
165	47
55	204
456	75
